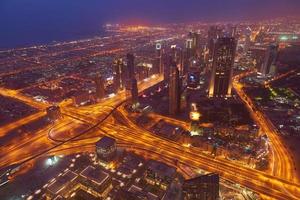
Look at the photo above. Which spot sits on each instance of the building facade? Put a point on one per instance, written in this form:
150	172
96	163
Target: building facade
221	73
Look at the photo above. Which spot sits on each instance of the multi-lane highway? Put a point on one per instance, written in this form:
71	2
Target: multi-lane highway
283	165
98	121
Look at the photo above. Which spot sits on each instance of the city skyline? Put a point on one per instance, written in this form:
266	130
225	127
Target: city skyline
133	109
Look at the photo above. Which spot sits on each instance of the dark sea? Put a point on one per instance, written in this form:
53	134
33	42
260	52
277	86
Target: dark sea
26	23
31	22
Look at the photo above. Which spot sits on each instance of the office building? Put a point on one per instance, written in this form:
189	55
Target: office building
134	92
158	65
106	149
118	74
193	44
269	65
195	39
214	33
221	74
159	174
204	187
174	90
189	48
130	66
90	183
100	89
168	61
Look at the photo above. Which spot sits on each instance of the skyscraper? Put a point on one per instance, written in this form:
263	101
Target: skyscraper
168	60
100	90
174	90
223	60
269	65
204	187
194	39
213	33
158	66
130	73
130	66
117	74
134	91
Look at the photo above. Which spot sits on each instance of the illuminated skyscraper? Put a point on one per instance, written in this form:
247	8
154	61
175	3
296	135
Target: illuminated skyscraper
193	42
130	73
174	90
158	66
213	33
130	66
189	48
204	187
223	60
100	89
118	68
269	65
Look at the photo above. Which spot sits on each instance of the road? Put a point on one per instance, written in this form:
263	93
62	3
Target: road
98	118
283	166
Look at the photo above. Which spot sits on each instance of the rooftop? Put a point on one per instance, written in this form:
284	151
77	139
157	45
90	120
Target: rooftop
94	174
105	142
161	168
61	182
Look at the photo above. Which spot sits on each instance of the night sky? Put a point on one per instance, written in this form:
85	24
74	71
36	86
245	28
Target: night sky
25	22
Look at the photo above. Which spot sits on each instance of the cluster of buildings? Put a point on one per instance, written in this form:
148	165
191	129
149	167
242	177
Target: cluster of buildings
149	180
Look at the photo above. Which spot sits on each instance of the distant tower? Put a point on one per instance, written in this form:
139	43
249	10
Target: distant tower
117	74
158	67
247	43
213	33
168	61
130	72
130	66
223	60
269	65
174	90
189	48
134	91
194	40
100	90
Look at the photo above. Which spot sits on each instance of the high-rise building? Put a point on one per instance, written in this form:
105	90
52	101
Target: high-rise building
223	60
214	33
168	60
118	68
106	149
100	89
158	66
189	48
134	91
193	42
204	187
257	52
269	65
130	73
130	66
174	90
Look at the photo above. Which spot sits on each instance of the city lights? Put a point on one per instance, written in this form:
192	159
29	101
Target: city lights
158	107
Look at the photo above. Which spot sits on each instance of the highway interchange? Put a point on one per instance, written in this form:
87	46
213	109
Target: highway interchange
109	117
